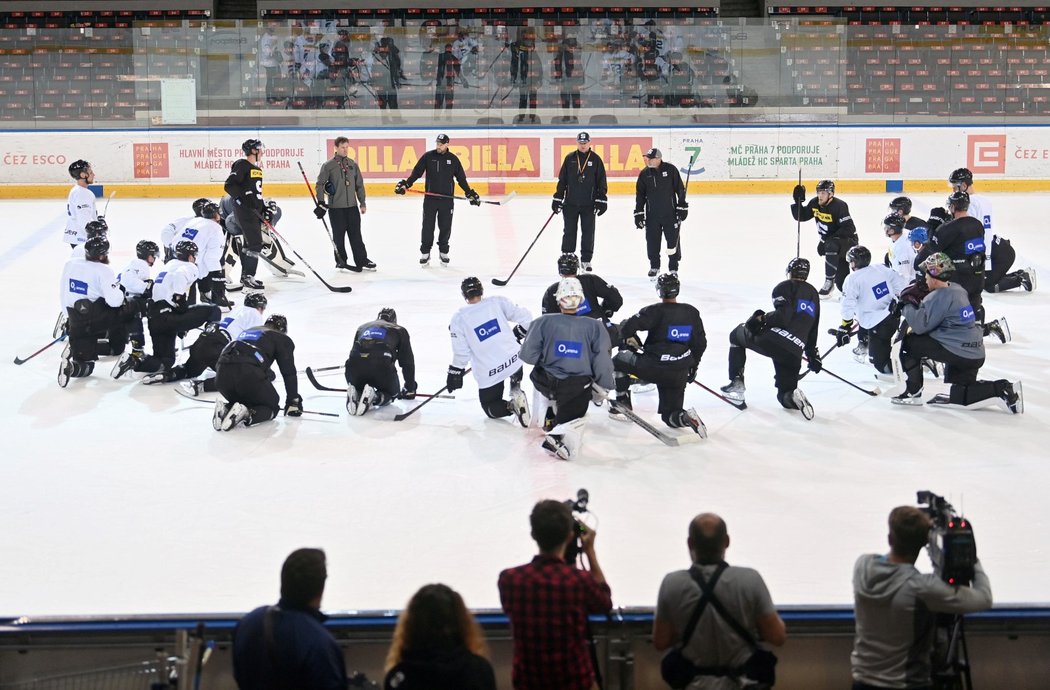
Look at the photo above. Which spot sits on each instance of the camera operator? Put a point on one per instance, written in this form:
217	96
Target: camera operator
548	601
895	606
711	652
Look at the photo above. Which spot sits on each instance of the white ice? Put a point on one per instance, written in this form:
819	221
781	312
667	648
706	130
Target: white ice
120	498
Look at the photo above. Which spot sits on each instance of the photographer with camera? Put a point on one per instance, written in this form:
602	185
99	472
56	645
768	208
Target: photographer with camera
712	614
895	604
548	601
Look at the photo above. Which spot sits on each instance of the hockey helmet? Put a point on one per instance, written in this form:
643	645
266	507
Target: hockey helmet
901	204
146	248
859	257
251	146
210	210
568	265
388	314
471	287
569	294
919	234
826	186
96	228
78	168
939	265
668	286
961	176
277	322
199	205
255	300
184	249
893	222
958	202
96	248
798	268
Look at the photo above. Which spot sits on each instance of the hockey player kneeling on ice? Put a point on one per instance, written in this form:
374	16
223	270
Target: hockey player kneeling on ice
868	295
205	350
137	284
172	230
482	338
96	228
835	226
207	234
246	394
942	325
782	335
600	299
571	365
93	301
674	343
371	378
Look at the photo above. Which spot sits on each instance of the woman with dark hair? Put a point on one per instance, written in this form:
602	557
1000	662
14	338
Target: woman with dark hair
438	645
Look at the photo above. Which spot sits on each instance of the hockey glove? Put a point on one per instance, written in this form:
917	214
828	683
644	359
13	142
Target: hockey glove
820	248
633	344
601	205
401	187
913	294
455	378
598	394
682	211
519	332
320	210
799	194
475	200
843	333
939	214
691	374
293	407
639	219
408	392
556	204
814	365
756	322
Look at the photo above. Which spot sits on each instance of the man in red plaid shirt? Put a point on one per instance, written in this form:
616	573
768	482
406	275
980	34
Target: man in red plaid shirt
548	601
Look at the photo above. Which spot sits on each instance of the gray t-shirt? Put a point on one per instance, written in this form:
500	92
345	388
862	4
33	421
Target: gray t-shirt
714	643
568	345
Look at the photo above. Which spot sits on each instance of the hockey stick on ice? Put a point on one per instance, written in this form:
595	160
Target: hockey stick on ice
319	386
333	288
317	202
502	202
501	283
738	404
873	393
212	403
404	415
23	360
666	439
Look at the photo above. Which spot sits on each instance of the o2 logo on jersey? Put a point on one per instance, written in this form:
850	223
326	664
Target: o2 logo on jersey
987	222
966	314
584	308
250	335
487	330
225	323
804	306
373	333
160	278
679	334
190	233
568	348
880	290
975	246
77	287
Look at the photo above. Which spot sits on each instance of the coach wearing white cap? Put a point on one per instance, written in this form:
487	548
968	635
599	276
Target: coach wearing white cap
582	194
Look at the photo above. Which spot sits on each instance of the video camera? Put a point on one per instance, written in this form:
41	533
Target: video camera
952	548
578	507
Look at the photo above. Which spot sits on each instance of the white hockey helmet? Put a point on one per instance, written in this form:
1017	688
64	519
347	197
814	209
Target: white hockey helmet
569	293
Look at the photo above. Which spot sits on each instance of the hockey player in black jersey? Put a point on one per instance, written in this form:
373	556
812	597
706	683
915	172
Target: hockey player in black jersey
600	299
246	394
245	187
443	170
902	207
783	335
836	228
582	193
371	378
659	208
674	343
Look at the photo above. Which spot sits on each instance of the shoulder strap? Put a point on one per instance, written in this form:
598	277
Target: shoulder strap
705	597
709	593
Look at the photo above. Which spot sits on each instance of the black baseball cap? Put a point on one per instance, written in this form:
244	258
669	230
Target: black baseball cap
583	138
652	153
442	139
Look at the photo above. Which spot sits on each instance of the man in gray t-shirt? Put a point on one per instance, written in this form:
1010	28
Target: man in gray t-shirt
714	644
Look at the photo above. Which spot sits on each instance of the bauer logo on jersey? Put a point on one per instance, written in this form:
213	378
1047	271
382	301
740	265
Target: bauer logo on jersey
966	314
373	333
250	335
568	348
975	246
805	306
189	233
487	330
679	334
77	287
584	308
880	290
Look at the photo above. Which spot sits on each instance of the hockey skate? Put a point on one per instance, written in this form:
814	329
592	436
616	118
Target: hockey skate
554	445
519	405
359	402
1028	281
221	408
126	363
549	418
931	365
802	404
587	266
62	324
424	260
65	369
1000	329
653	272
623	400
238	413
565	440
689	419
444	258
907	398
734	390
251	283
860	352
1012	397
825	290
367	266
192	388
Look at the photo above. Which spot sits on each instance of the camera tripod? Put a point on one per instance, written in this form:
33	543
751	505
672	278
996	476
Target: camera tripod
952	671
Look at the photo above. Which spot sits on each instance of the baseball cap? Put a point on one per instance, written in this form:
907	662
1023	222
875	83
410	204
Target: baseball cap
442	139
652	153
583	138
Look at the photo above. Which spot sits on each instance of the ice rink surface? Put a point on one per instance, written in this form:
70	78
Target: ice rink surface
119	498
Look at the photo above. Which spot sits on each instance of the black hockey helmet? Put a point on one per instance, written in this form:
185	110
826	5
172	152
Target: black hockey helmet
278	322
78	167
859	257
146	248
798	268
668	286
901	204
961	176
270	211
388	314
958	201
184	249
96	228
199	204
894	222
251	146
210	210
826	186
255	300
471	287
96	248
568	265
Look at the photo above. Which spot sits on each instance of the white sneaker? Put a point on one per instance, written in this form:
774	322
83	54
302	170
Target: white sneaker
801	403
519	405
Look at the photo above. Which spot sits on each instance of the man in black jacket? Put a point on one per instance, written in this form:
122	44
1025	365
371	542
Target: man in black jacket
660	207
243	377
287	645
371	378
836	228
782	335
582	193
245	187
443	171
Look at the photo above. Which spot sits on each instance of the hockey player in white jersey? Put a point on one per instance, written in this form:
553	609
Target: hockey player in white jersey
174	229
483	339
92	299
137	283
80	205
901	256
868	294
572	366
207	234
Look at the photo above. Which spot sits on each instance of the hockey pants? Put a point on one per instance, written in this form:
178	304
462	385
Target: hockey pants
786	365
251	239
90	321
584	217
880	339
249	384
375	370
960	372
204	354
165	324
439	211
491	397
999	279
662	228
571	395
670	381
834	250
